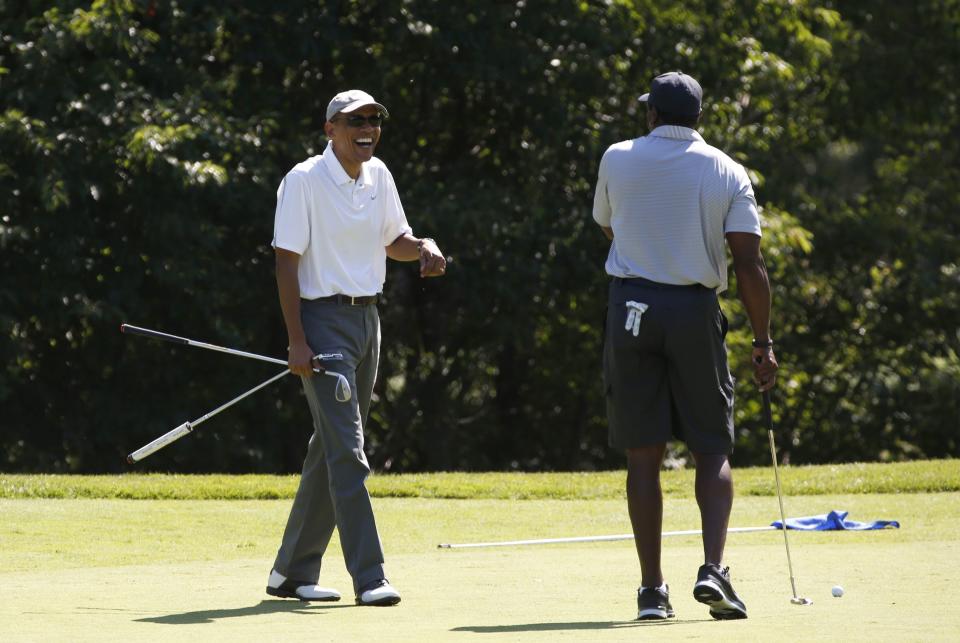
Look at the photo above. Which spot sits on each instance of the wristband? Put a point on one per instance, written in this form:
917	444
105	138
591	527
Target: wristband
762	344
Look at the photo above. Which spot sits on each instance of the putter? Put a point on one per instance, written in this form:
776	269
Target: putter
768	418
342	393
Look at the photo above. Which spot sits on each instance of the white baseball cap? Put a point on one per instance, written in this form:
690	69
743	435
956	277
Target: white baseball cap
351	100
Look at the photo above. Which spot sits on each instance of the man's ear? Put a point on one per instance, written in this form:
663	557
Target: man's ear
328	129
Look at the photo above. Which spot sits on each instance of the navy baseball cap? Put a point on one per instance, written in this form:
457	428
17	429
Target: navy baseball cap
675	93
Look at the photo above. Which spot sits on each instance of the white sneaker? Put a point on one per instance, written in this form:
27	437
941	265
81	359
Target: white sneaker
382	594
280	585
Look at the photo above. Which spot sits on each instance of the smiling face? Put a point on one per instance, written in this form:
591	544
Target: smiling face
354	137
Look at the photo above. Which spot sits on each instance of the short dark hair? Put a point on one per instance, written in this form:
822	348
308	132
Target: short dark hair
666	118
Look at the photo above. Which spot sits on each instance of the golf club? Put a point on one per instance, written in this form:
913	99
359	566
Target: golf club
187	427
342	393
593	539
768	418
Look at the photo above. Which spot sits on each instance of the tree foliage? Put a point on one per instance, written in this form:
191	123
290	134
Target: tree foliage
143	143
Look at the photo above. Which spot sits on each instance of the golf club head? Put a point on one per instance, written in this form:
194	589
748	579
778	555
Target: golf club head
799	600
343	393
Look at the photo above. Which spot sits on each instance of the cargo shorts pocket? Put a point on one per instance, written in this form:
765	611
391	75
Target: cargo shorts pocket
722	323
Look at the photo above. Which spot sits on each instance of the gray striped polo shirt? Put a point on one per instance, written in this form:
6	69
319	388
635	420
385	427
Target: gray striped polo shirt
670	199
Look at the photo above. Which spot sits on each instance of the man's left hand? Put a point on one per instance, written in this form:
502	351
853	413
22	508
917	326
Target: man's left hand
765	368
432	261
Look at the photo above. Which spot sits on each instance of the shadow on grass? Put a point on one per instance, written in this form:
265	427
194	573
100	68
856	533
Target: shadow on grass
581	625
263	607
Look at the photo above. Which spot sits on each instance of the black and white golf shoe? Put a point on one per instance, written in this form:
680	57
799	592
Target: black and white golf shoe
713	588
379	593
283	587
653	604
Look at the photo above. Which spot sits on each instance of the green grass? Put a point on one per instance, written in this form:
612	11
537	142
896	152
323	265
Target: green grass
906	477
146	557
55	534
184	570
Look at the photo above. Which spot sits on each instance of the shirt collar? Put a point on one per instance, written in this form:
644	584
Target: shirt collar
677	132
339	175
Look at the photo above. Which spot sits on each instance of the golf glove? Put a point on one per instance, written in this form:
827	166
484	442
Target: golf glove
635	311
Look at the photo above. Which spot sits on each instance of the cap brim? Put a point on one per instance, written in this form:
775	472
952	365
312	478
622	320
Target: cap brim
645	98
354	106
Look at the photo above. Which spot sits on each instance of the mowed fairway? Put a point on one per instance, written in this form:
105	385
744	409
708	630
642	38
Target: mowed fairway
181	570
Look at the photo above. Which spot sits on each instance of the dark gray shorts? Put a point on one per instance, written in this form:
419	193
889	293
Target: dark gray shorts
672	379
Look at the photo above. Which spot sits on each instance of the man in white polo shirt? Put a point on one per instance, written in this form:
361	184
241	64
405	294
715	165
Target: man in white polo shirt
338	218
667	202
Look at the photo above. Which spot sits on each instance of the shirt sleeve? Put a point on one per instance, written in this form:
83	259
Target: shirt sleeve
394	220
742	215
601	200
291	226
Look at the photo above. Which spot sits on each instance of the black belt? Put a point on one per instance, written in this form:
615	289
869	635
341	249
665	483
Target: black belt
347	300
640	281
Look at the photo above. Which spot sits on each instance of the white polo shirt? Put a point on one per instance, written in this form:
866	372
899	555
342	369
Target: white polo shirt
338	225
670	199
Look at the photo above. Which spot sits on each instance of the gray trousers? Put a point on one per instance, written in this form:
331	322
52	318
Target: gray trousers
332	491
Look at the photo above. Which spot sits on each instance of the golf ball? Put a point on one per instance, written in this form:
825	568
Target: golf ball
837	591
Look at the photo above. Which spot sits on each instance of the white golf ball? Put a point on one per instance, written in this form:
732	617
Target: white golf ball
837	591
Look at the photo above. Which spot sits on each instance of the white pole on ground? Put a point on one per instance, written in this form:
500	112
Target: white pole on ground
594	539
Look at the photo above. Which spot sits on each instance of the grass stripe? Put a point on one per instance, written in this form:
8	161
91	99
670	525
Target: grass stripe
859	478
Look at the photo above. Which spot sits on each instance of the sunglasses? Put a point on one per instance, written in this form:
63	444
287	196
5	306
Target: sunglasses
357	121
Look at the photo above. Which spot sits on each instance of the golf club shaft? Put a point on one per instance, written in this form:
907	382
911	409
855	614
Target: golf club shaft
592	539
768	418
146	332
343	386
187	427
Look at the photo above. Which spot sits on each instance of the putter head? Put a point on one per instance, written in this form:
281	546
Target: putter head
799	600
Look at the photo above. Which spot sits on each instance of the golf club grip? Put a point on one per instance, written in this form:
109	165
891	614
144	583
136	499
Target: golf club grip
159	443
146	332
767	415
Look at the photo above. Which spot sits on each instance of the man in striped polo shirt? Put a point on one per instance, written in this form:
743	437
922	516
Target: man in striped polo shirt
667	202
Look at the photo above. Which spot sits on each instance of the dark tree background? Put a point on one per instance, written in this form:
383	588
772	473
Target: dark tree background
141	145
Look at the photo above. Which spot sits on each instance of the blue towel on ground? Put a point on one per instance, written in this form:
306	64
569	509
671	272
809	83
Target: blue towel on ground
835	520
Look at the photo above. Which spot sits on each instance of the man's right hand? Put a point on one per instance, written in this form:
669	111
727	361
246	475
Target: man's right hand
299	359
